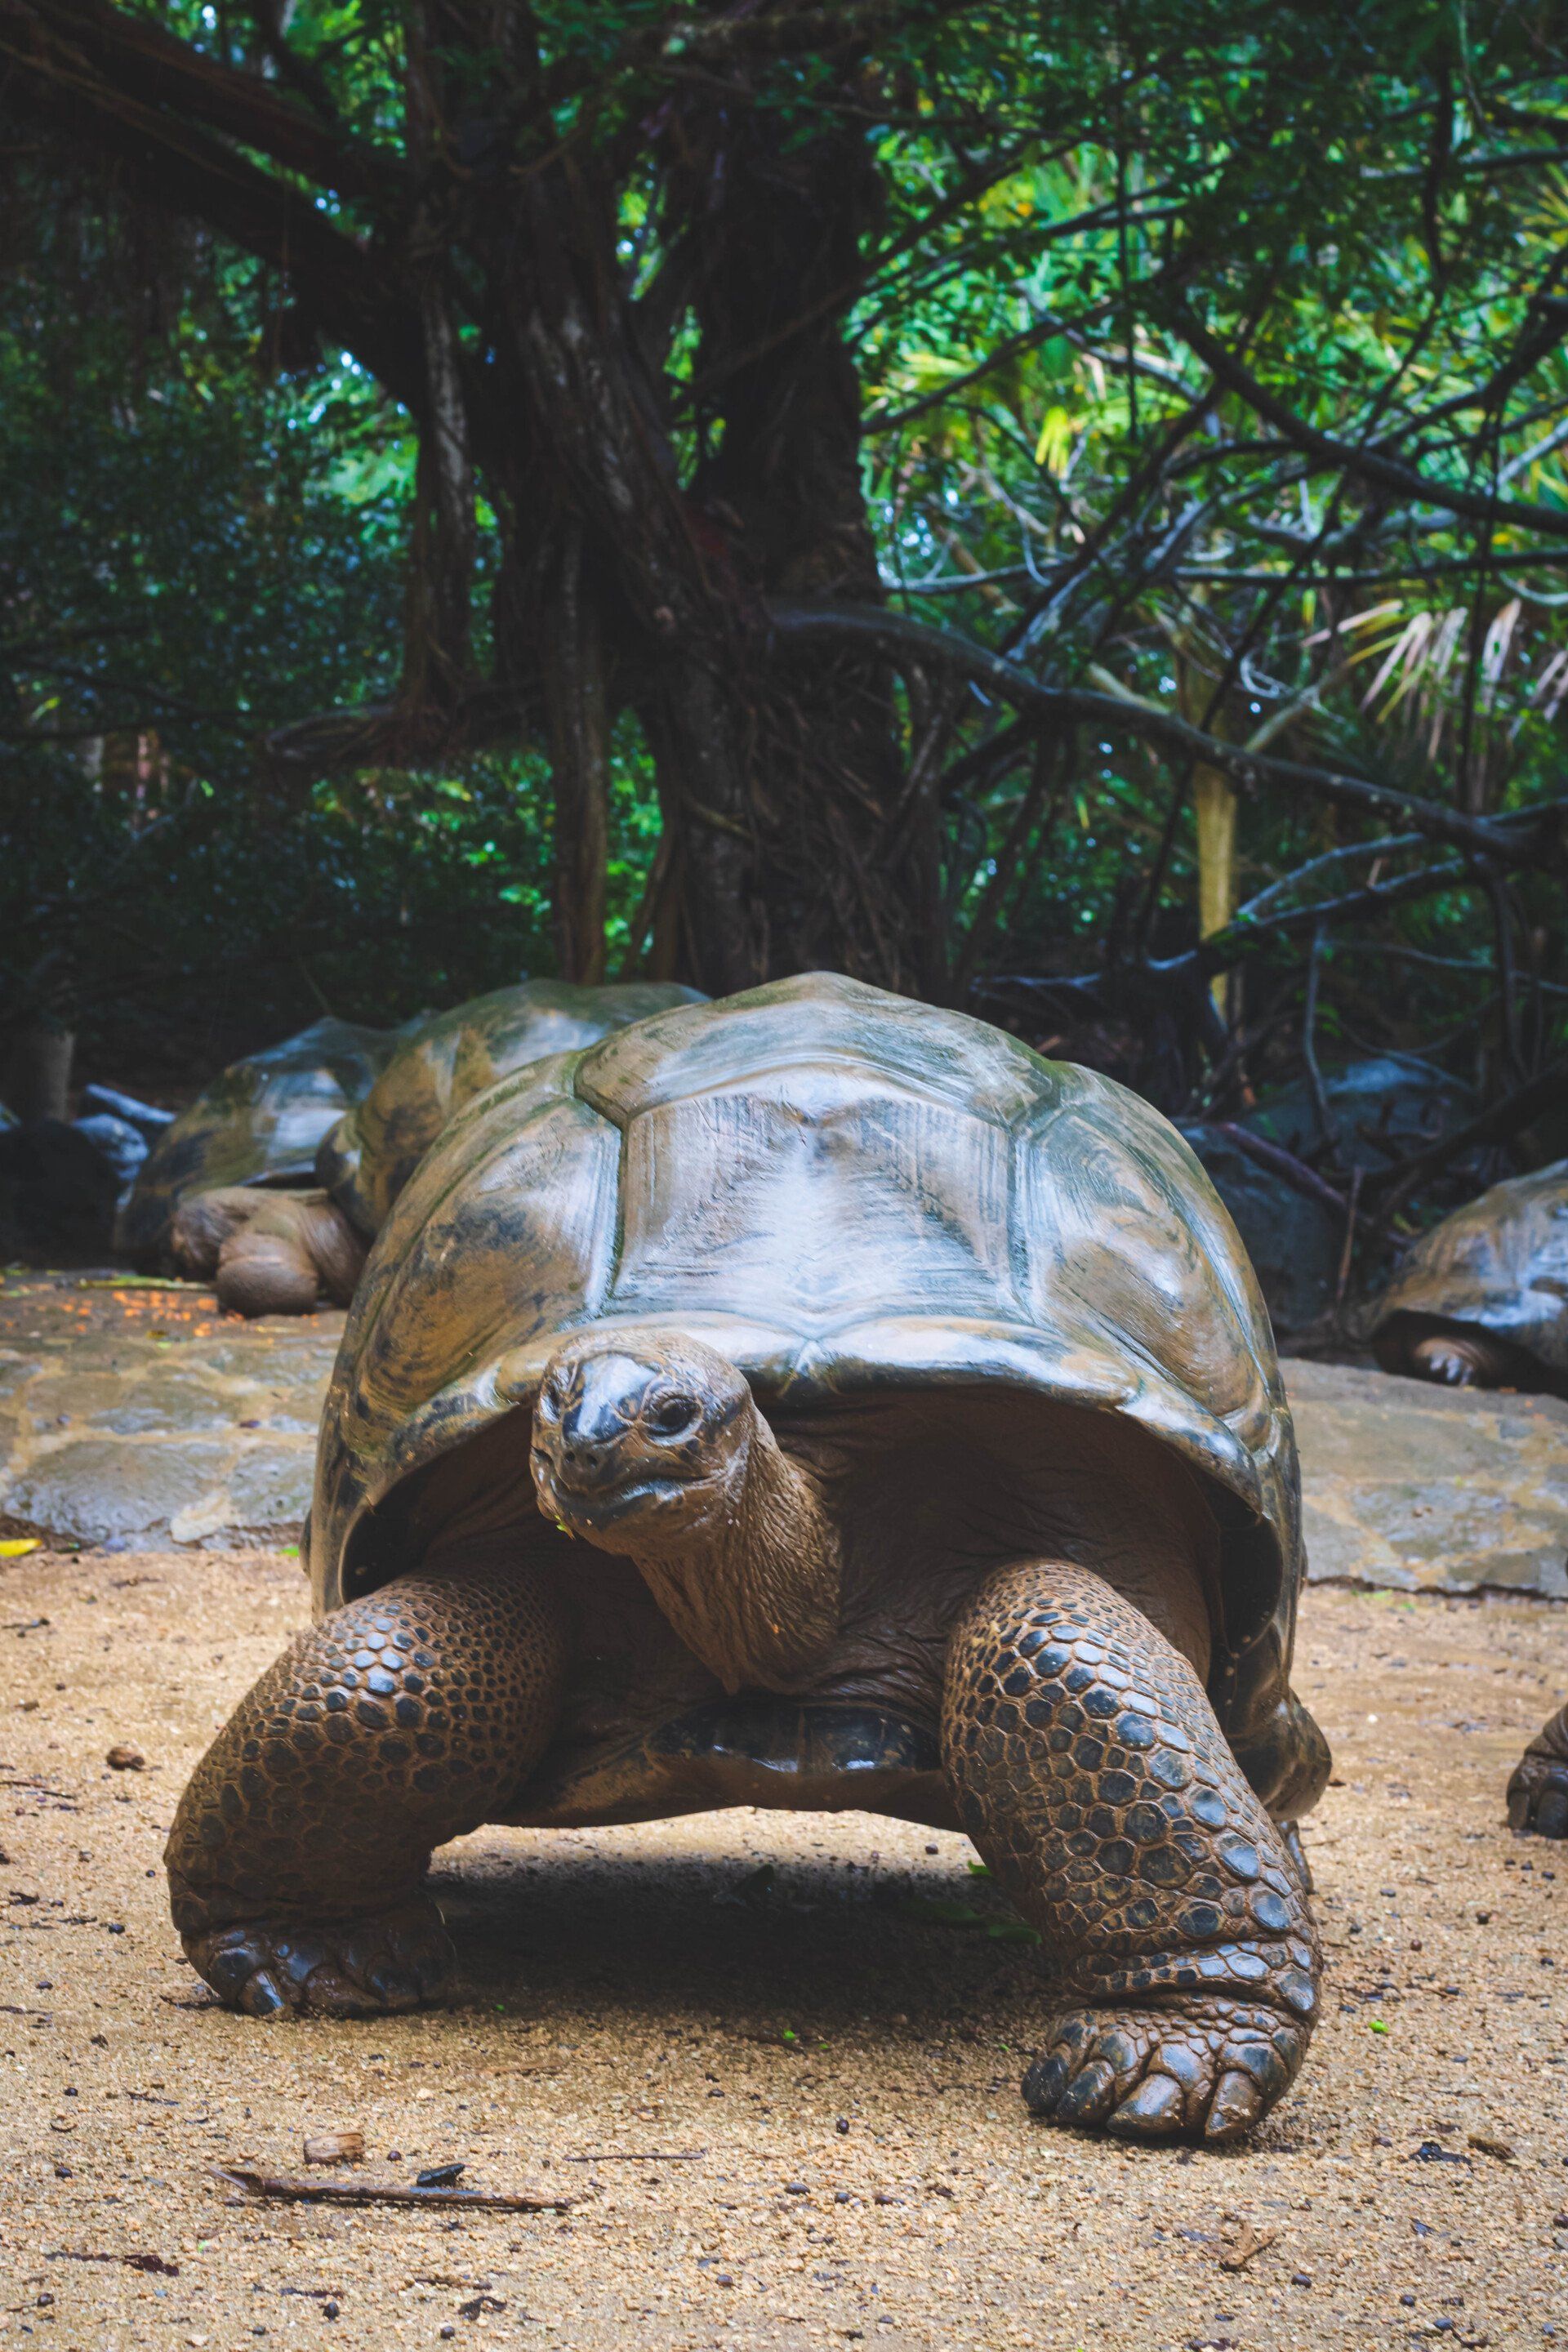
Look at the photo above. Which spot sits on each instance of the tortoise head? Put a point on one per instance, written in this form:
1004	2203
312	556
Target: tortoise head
639	1445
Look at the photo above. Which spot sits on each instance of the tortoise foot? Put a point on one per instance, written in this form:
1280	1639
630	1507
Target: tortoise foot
1203	2067
1458	1361
389	1960
1538	1796
1290	1839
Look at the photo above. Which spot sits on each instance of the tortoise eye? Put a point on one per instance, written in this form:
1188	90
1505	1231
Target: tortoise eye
668	1415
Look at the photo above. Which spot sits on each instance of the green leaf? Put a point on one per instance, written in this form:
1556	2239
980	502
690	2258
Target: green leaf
941	1914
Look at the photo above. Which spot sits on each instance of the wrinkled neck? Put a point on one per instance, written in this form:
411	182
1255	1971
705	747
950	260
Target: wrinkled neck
754	1587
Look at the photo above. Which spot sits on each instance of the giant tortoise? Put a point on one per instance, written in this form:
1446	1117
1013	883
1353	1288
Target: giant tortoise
282	1255
809	1399
1481	1301
258	1125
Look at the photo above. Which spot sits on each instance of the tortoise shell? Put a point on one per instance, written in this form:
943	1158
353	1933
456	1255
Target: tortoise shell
370	1154
843	1191
1498	1264
262	1122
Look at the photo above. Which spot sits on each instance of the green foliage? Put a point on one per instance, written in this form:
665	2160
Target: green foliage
1364	207
193	548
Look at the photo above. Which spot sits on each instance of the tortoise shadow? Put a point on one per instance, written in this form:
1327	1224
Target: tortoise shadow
691	1937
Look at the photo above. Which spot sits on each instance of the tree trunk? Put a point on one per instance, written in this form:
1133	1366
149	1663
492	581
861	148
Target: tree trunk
578	719
1214	807
38	1080
436	627
832	864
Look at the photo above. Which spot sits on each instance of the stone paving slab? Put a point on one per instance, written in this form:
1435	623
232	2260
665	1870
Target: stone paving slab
1429	1489
131	1417
137	1417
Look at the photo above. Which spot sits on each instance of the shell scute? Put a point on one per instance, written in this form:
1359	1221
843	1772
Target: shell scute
507	1231
812	1195
1128	1241
374	1150
817	1020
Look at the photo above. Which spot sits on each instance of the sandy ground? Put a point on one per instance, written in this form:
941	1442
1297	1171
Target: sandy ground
783	2088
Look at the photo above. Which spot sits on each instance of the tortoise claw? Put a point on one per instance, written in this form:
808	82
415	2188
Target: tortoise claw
1234	2108
1538	1798
1153	2111
260	1995
1205	2067
389	1961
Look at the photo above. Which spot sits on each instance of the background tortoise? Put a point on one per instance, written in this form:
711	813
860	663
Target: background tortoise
916	1402
283	1255
259	1124
1482	1300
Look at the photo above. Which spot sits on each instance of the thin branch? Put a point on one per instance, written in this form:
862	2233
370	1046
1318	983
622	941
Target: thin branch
1407	482
1326	1120
1395	1185
91	49
352	290
919	641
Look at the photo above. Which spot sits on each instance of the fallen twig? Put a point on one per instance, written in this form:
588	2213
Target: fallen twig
1284	1164
1392	1186
1249	2243
295	2190
141	1282
153	2264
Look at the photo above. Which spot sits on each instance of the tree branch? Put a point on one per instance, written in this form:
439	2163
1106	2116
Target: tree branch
173	164
1390	474
921	642
93	50
1506	1118
389	735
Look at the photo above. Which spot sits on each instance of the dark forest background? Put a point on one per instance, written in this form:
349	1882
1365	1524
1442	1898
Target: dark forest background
1062	512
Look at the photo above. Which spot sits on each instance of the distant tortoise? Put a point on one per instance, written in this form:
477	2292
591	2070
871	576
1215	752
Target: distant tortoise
1481	1301
258	1125
282	1255
1538	1789
915	1401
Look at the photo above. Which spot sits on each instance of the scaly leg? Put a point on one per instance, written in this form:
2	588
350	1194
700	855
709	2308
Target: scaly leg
404	1719
1537	1791
1091	1774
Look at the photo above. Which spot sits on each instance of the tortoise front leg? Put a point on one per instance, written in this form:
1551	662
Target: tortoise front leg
402	1720
1091	1774
1537	1791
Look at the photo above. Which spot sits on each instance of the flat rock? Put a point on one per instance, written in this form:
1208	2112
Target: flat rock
141	1422
1430	1489
163	1424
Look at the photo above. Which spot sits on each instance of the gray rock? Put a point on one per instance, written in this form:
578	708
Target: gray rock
211	1442
109	1438
91	1489
1430	1489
